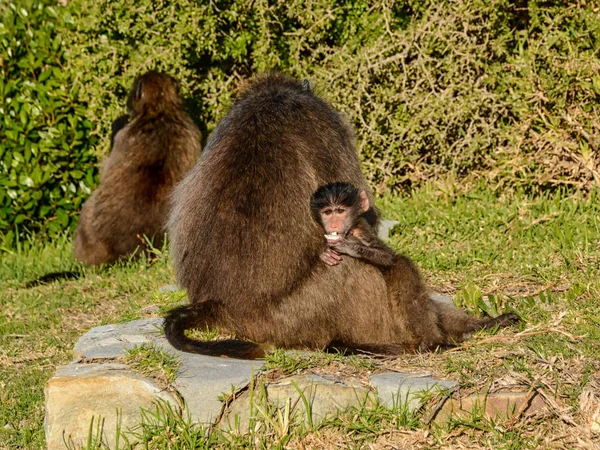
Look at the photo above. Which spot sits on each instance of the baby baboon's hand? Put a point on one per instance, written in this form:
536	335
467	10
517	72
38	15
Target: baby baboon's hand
331	257
343	246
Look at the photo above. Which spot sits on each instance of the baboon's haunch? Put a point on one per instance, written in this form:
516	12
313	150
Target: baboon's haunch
246	247
339	207
152	150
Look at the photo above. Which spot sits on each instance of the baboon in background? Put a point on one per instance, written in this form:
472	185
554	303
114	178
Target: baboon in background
246	247
152	150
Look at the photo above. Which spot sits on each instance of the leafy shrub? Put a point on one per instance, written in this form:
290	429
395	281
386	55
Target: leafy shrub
504	91
501	90
210	47
46	170
497	89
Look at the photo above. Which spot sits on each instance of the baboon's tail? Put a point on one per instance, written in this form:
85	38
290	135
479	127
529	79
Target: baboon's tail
53	276
202	315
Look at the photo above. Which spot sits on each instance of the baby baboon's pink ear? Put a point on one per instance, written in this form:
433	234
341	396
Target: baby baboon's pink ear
364	201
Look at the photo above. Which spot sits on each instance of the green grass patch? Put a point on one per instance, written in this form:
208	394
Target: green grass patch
290	362
538	256
154	362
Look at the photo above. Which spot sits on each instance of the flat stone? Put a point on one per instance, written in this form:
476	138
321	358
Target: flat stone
107	393
385	228
324	395
201	381
110	341
168	288
496	406
399	389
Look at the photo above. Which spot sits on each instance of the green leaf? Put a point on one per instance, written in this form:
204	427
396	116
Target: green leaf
77	174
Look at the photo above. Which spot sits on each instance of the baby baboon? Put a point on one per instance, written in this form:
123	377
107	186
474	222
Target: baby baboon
339	208
152	150
246	248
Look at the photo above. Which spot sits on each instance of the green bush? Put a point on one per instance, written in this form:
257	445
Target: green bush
502	91
210	47
46	170
495	89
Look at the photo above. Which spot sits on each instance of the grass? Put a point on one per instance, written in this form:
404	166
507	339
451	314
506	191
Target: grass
153	362
539	256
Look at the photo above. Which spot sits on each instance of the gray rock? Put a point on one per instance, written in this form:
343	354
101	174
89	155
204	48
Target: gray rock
201	382
385	227
398	389
109	394
168	288
203	379
498	407
324	395
109	341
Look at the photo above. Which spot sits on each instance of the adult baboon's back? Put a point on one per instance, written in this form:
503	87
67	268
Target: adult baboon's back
243	240
247	249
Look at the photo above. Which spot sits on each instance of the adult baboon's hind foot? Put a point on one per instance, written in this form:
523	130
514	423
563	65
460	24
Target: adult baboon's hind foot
503	320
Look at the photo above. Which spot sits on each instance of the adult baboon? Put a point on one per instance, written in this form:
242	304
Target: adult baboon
246	247
152	150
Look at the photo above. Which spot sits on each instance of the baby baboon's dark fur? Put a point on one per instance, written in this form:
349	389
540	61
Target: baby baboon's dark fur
246	248
342	208
153	148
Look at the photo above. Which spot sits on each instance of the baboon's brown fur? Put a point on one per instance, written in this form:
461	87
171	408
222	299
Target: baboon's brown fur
246	248
151	152
426	324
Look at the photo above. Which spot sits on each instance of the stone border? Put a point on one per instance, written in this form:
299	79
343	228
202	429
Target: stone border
97	385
